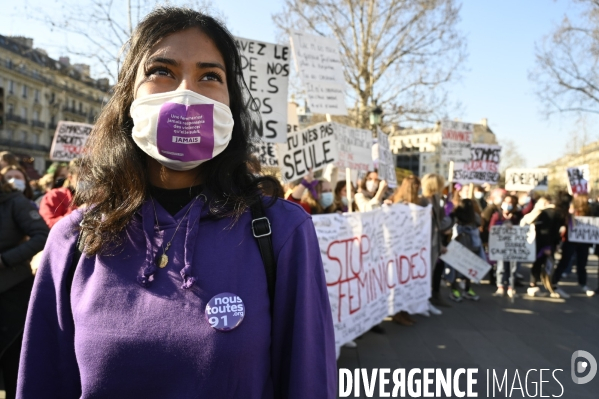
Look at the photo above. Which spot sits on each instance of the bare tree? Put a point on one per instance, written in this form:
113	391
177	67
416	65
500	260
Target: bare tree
567	73
105	26
510	156
399	54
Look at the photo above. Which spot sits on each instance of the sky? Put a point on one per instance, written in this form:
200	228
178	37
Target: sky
501	37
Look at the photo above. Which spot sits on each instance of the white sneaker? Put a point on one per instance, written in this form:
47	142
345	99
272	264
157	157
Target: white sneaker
588	291
511	292
350	344
434	310
533	291
561	293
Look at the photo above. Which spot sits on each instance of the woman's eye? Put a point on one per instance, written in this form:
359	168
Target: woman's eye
159	71
214	76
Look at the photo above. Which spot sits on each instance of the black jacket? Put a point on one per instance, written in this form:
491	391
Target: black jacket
23	233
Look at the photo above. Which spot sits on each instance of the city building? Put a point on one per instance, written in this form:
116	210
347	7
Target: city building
36	92
557	170
419	149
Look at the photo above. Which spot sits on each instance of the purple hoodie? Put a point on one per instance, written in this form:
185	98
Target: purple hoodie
113	337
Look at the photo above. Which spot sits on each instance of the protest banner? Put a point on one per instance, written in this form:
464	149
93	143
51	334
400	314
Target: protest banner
69	140
578	179
312	148
386	163
267	152
318	63
526	179
456	139
376	264
584	229
483	166
512	243
354	147
465	261
265	69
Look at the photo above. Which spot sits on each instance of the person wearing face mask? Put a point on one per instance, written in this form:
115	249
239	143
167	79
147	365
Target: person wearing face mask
340	199
508	215
370	193
23	233
17	176
190	283
58	202
479	197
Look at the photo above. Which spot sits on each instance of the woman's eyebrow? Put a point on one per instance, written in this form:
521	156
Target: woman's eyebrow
162	60
206	65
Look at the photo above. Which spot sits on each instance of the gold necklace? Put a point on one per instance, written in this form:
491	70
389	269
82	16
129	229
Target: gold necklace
163	259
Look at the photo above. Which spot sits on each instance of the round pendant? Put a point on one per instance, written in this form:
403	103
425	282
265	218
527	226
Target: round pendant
162	261
225	311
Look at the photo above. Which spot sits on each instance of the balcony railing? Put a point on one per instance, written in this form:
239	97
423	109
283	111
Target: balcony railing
38	124
16	118
16	145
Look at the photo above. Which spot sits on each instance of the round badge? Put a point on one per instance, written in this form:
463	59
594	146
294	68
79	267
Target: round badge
225	311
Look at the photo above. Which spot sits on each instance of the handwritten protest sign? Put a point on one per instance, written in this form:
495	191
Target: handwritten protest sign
265	69
354	146
512	243
465	261
578	179
526	179
376	264
456	139
584	229
312	148
483	166
69	140
386	164
318	63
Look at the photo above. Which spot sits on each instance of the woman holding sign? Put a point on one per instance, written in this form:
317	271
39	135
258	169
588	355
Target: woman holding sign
190	284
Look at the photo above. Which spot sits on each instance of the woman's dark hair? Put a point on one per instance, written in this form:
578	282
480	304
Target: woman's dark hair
465	212
28	192
362	182
408	191
114	167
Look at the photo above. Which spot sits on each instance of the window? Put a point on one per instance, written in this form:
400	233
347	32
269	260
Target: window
53	120
11	87
423	169
23	112
80	107
426	139
36	116
24	91
35	138
23	136
37	96
52	98
10	109
9	134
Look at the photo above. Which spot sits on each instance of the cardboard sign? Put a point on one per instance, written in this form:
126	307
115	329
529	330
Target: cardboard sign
376	264
456	140
584	229
512	243
386	163
354	147
318	63
69	140
265	69
465	261
578	179
312	148
526	179
483	166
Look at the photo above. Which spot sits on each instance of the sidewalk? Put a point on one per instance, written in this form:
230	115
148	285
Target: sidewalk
494	333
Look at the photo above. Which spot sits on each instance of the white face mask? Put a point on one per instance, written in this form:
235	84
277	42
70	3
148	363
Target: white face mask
478	195
344	200
326	199
181	129
371	185
18	184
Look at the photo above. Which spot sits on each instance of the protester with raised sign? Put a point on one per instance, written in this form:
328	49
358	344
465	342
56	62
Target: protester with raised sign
58	202
508	215
371	192
312	194
579	207
190	283
340	203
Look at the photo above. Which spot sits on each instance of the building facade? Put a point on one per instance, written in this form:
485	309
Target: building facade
38	92
425	143
557	170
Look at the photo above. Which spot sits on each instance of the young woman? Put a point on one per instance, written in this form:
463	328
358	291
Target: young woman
340	199
312	194
17	176
23	233
508	214
170	298
370	192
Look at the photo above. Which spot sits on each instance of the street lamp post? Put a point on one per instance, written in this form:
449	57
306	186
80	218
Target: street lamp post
376	114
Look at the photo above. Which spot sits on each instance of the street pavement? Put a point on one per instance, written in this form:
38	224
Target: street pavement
494	333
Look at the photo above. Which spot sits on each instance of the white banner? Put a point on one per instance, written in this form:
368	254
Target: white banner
312	148
318	63
526	179
465	261
456	139
584	229
376	264
578	179
354	147
265	69
483	166
386	166
69	140
512	243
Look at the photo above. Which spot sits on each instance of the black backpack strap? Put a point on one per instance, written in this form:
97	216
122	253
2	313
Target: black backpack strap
263	234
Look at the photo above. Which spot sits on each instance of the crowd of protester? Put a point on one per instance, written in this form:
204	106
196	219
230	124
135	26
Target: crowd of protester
30	208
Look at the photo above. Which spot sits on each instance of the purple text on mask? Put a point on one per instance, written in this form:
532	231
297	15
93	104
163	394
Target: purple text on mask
185	132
